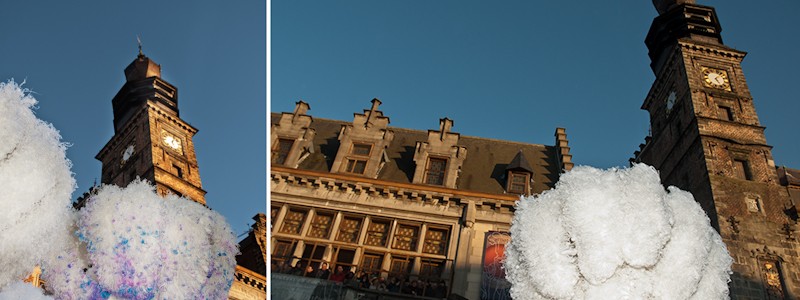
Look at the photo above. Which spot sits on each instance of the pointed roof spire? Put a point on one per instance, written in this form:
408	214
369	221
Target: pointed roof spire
139	40
142	67
520	163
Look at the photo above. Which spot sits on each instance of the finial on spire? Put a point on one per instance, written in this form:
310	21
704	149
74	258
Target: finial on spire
139	40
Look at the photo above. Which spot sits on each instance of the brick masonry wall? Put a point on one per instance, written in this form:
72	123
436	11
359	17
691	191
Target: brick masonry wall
694	148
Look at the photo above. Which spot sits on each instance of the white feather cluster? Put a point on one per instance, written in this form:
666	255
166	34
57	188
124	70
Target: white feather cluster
140	245
126	243
36	184
615	234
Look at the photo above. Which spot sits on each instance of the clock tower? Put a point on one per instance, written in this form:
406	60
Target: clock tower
150	139
706	138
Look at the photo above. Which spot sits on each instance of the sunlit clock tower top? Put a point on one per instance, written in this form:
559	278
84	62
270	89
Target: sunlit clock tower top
150	139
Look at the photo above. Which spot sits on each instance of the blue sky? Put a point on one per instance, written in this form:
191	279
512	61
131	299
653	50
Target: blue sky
516	70
72	55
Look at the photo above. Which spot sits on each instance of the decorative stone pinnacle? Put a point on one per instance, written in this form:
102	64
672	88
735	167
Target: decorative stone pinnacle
445	125
375	104
300	108
372	110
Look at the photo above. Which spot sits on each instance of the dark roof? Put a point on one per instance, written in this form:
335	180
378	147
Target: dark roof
252	247
483	170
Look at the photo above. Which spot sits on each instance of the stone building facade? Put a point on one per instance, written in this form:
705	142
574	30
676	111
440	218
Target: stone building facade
707	139
365	195
249	280
432	205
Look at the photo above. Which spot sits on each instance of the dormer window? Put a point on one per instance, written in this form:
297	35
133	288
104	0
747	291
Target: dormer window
434	173
281	151
439	159
363	144
518	183
292	138
357	160
518	175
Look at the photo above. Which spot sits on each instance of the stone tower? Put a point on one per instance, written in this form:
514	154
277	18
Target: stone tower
706	138
150	139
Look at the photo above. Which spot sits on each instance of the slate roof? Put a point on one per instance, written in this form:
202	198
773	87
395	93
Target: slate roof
484	169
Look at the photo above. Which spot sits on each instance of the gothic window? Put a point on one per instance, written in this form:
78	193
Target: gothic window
741	169
518	183
281	151
725	113
371	262
377	233
405	237
349	230
293	221
434	173
435	241
357	160
321	225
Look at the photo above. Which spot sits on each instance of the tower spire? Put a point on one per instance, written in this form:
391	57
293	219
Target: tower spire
139	40
680	20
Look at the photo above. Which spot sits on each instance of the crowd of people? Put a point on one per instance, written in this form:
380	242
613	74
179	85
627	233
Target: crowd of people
433	288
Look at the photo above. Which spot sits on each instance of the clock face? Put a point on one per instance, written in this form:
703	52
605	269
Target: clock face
671	101
127	153
171	141
716	78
